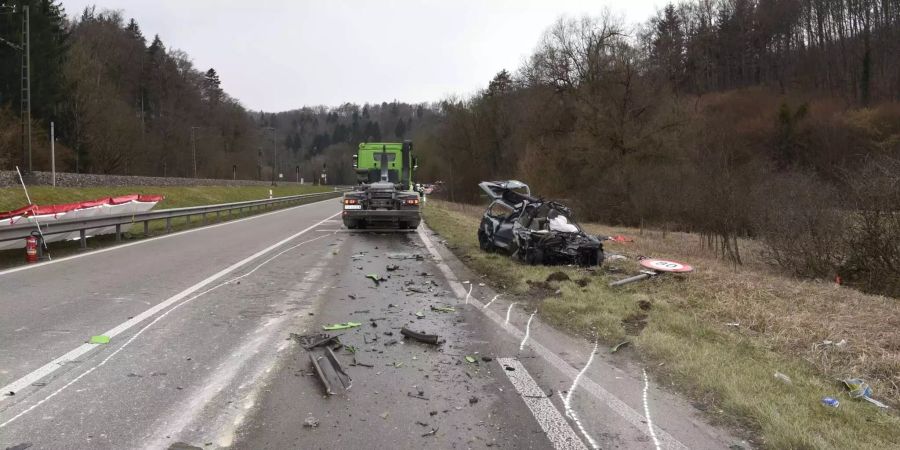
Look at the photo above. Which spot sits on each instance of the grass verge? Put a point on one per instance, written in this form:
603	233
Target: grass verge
720	334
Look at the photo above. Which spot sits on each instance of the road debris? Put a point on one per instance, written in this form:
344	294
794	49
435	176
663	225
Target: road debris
783	378
391	267
311	422
446	309
101	339
830	402
470	359
431	433
420	315
334	378
309	341
859	389
473	400
410	394
421	337
341	326
376	278
618	346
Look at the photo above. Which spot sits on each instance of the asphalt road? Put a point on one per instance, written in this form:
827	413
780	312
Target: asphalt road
201	355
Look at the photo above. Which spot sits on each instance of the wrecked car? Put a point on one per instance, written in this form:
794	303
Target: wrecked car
534	230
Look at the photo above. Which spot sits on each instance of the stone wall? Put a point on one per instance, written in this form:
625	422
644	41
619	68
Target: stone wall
10	178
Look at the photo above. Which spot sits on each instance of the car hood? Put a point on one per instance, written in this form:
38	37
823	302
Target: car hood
509	191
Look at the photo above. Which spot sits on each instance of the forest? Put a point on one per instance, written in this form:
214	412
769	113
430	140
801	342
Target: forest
776	120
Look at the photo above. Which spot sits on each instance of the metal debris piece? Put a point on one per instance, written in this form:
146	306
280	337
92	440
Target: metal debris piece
311	422
309	341
431	433
329	370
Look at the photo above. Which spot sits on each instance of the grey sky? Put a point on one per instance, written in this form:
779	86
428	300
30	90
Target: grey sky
277	55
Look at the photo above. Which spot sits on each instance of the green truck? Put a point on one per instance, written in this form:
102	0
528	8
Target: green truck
384	195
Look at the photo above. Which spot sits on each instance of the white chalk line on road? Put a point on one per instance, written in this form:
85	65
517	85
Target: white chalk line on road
492	301
508	311
647	411
612	402
469	294
527	330
144	241
567	401
558	431
57	363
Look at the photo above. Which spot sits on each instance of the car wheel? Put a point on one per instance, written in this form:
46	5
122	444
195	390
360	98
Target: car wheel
534	256
484	241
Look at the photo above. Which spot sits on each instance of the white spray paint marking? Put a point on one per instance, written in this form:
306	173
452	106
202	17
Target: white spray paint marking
469	294
492	301
647	412
615	404
527	330
567	402
508	310
181	295
558	431
165	236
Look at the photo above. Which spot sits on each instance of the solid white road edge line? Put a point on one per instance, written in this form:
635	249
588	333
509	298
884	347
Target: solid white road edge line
54	365
647	411
558	431
567	401
144	241
611	401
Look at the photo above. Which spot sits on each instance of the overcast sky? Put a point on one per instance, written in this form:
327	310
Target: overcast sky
276	55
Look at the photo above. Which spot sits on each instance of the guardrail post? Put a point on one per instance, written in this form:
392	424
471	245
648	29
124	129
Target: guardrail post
118	232
146	227
217	215
83	237
168	224
188	218
203	218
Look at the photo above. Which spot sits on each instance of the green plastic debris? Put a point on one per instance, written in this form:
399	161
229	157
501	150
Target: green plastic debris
340	326
445	309
375	277
470	359
101	339
618	346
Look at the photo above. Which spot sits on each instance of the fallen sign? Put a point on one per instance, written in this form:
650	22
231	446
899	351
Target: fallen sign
654	267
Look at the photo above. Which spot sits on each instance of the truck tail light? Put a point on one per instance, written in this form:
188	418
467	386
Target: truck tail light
412	201
351	201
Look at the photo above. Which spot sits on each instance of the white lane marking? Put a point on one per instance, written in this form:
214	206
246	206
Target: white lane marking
469	294
144	241
527	330
567	402
558	431
54	365
611	401
647	411
492	301
508	310
139	332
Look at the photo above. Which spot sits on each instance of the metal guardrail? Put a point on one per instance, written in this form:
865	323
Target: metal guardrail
87	223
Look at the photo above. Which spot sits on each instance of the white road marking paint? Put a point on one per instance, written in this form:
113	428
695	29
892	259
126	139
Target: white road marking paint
567	402
139	332
508	311
54	365
492	301
527	330
144	241
558	431
647	411
469	294
609	399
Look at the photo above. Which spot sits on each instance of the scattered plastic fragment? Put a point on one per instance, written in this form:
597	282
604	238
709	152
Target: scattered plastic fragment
446	309
101	339
421	337
783	378
376	278
340	326
470	359
830	402
392	267
420	315
618	346
431	433
309	341
860	389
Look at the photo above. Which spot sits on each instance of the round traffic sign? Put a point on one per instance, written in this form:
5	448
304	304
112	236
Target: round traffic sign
662	265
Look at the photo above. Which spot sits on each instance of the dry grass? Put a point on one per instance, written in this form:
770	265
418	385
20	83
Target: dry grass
680	325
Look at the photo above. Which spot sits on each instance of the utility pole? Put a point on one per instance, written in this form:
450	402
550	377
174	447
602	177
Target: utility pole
25	104
194	149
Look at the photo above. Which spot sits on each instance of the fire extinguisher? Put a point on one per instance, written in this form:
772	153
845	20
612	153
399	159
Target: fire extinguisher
31	249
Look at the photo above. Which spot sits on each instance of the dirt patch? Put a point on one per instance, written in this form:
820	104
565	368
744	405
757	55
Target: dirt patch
583	282
645	305
634	324
558	276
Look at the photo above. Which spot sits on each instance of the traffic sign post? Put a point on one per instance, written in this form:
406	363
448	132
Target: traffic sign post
654	267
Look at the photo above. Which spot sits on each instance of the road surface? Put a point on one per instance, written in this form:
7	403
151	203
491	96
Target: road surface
201	356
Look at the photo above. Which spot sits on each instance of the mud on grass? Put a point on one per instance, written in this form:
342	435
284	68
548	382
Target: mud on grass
679	329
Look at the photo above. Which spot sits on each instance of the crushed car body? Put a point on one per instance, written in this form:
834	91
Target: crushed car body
534	230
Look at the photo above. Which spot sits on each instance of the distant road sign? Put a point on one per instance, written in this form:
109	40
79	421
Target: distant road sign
661	265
